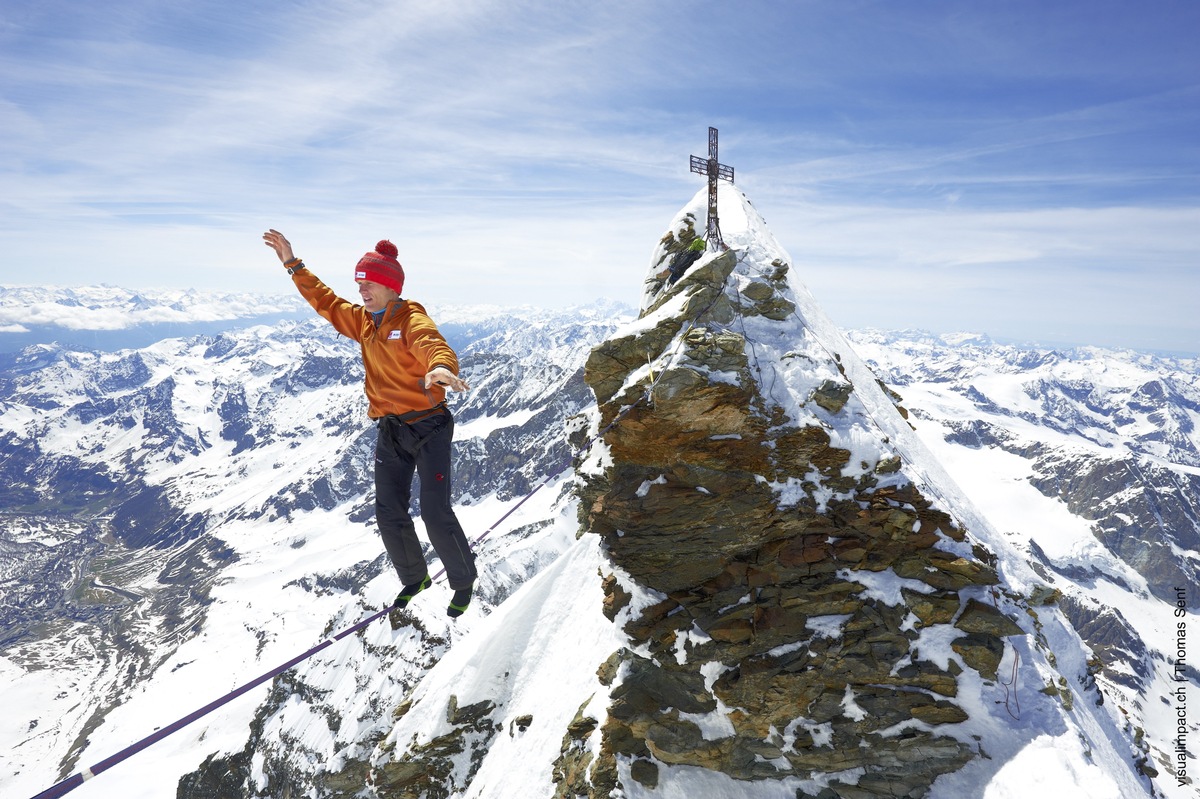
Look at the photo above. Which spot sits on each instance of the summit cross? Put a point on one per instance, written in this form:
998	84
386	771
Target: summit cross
715	170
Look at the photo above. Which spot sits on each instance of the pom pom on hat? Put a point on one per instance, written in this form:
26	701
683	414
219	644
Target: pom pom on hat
382	267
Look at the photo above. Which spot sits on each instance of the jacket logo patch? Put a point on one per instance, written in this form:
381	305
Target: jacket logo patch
395	334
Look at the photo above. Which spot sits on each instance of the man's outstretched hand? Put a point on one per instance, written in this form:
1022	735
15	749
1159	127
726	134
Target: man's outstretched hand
444	377
282	247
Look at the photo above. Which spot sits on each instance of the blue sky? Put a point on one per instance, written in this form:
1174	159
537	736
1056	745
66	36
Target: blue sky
1030	170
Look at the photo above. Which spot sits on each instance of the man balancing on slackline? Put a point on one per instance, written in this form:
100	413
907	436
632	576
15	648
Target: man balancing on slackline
408	367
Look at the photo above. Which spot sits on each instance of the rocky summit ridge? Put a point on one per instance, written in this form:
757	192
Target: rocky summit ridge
776	591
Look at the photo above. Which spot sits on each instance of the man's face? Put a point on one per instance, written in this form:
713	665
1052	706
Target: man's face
374	296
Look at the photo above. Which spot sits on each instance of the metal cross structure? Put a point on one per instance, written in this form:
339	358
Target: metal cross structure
715	170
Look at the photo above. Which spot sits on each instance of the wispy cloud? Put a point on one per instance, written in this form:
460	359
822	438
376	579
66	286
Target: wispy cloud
1060	275
532	151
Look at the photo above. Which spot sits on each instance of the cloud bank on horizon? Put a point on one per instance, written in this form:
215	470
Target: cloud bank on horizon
1024	170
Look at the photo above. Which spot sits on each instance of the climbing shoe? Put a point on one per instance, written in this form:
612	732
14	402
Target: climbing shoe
409	591
459	602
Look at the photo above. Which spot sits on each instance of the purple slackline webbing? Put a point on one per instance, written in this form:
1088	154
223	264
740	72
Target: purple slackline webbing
77	779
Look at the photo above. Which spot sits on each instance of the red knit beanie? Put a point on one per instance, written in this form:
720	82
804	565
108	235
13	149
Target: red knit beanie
382	267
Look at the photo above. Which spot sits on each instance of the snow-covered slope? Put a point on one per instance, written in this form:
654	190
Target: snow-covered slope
1086	460
181	518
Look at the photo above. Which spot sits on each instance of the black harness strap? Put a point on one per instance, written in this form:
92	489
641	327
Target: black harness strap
407	419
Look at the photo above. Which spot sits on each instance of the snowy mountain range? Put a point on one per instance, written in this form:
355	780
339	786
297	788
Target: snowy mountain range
140	483
114	308
1087	461
183	516
110	318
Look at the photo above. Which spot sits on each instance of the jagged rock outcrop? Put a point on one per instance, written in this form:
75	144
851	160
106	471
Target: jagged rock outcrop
769	651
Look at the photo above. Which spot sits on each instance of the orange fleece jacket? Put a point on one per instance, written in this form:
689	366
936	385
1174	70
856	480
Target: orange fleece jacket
396	356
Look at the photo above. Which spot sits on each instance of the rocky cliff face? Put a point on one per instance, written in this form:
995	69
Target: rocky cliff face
798	568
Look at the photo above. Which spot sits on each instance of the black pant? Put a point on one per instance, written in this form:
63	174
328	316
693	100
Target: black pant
422	446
